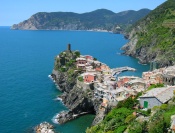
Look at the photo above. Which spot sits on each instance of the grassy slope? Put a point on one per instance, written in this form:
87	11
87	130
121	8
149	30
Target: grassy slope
156	32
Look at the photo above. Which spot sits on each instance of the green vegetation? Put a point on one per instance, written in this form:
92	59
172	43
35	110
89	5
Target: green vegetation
156	33
119	120
155	86
70	63
135	127
77	53
144	113
114	122
167	115
99	19
128	103
122	118
80	78
62	69
156	124
95	58
130	118
66	62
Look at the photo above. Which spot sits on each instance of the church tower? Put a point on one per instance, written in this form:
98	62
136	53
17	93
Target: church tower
69	47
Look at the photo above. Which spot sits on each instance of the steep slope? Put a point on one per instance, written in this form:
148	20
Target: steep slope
100	19
153	37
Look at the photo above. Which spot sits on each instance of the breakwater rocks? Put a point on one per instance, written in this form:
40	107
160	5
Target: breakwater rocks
63	117
44	127
66	116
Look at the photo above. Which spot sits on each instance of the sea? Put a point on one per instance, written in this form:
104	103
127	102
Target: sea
27	95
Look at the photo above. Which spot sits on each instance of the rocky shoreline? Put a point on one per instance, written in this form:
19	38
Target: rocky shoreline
44	127
79	97
78	105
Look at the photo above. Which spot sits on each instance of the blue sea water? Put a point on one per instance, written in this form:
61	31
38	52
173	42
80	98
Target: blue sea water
26	60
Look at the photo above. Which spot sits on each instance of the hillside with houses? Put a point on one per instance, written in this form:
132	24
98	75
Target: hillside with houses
90	86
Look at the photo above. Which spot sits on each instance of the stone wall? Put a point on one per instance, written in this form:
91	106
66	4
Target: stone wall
84	85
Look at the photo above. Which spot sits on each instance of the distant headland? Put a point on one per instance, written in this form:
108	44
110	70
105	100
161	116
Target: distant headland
98	20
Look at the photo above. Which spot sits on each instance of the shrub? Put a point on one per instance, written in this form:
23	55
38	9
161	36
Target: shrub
130	118
156	124
77	53
95	59
148	111
167	115
155	86
128	103
63	69
120	129
80	78
155	108
135	127
164	107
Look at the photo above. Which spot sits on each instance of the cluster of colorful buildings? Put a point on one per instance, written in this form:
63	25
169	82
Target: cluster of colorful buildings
158	96
164	75
107	86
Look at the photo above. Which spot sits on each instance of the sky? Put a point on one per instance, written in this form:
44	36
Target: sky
15	11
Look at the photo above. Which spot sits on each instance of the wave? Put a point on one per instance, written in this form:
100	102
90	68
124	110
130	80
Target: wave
58	98
51	78
55	119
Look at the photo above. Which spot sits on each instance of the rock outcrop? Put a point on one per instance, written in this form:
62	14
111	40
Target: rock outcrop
152	38
77	96
44	127
78	99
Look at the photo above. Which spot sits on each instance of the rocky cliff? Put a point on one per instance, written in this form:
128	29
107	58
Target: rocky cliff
77	96
101	19
153	37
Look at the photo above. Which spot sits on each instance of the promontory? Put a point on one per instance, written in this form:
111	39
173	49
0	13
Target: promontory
101	19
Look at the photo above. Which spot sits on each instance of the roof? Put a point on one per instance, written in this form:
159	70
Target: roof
120	90
136	81
80	64
97	62
80	59
86	74
163	94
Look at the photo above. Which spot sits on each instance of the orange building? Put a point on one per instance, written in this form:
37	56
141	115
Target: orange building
98	69
104	67
122	81
89	78
147	75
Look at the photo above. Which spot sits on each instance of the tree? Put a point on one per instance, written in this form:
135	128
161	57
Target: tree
135	127
156	124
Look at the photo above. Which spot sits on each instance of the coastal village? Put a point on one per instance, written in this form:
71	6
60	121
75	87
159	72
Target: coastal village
111	88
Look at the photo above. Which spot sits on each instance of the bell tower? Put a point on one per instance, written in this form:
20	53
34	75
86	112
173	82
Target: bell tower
69	47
